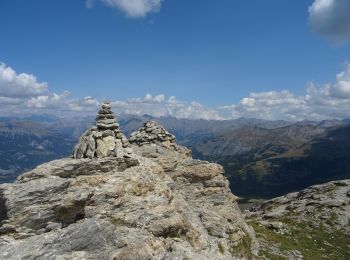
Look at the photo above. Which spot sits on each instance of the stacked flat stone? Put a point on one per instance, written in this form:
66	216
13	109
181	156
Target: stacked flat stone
152	132
104	138
105	119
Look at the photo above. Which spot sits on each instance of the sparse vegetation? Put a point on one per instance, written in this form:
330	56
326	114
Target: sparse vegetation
221	248
332	220
266	254
118	221
243	248
312	243
210	231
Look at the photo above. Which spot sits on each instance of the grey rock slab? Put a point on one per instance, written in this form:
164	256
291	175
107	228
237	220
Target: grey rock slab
101	149
91	238
151	201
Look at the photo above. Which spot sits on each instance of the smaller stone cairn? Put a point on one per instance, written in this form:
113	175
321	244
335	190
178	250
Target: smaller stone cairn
104	139
152	133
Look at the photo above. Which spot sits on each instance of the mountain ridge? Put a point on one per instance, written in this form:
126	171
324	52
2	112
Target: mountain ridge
247	148
166	206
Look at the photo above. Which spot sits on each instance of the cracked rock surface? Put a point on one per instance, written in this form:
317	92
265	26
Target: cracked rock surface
165	206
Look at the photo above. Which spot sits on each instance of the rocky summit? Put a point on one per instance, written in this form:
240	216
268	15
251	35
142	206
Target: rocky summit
96	205
104	138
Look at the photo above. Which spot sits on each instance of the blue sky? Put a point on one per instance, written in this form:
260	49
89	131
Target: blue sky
213	52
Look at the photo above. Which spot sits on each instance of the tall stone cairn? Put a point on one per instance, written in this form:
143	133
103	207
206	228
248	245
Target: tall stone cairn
152	132
104	139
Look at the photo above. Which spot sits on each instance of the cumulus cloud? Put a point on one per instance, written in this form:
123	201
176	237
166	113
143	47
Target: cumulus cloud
23	94
160	106
10	101
319	102
341	88
193	110
270	105
14	85
132	8
62	104
331	18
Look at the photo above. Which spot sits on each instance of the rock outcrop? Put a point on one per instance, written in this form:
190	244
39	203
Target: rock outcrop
165	206
103	139
311	224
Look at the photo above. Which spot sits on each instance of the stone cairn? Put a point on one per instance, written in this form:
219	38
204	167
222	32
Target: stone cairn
152	133
104	139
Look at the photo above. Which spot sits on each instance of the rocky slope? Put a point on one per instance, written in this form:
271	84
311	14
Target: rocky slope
311	224
165	206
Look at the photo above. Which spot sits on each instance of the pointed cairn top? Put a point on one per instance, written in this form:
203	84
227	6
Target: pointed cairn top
152	132
105	118
104	138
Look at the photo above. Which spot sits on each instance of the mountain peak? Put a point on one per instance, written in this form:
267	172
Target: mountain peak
165	206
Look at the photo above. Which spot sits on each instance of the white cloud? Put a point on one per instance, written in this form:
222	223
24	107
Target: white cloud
331	18
191	110
341	88
157	99
159	106
52	100
10	101
132	8
320	102
22	93
269	105
87	105
19	85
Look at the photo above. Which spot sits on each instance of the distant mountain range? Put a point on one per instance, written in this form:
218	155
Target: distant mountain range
270	162
262	158
25	144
